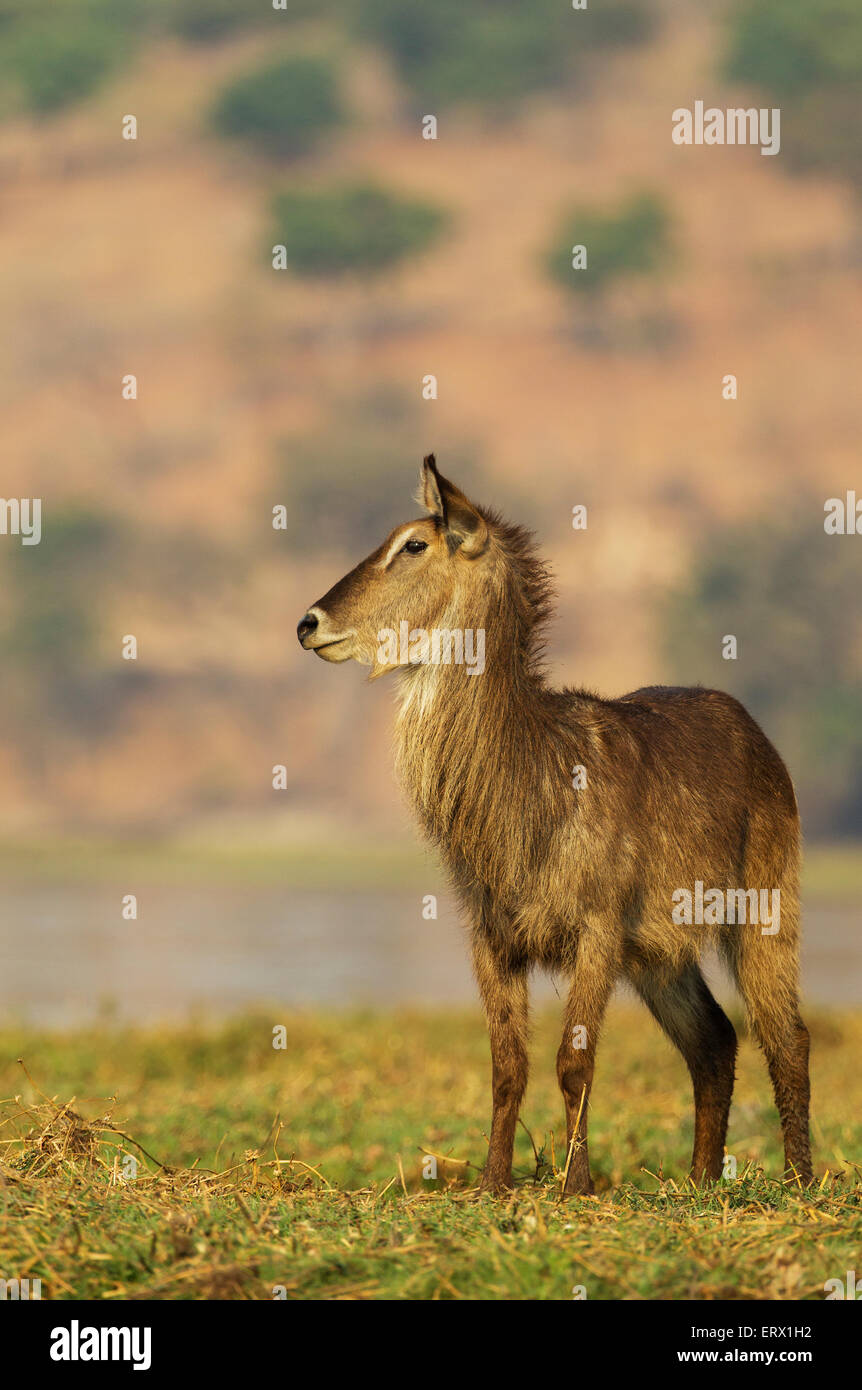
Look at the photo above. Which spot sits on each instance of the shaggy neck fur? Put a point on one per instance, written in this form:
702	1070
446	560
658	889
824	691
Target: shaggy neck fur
477	753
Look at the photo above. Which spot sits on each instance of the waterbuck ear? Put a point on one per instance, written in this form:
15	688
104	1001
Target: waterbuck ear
429	494
464	523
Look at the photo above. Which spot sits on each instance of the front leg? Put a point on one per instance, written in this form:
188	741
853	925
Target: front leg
503	987
595	970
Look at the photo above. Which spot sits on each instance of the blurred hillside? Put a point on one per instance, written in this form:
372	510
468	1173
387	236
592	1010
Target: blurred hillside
259	387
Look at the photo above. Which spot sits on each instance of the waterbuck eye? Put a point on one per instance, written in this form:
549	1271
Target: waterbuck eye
414	547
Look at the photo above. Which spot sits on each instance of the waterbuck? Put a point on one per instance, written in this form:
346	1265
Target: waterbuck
573	827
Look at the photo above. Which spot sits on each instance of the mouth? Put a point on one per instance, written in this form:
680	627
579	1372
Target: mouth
329	650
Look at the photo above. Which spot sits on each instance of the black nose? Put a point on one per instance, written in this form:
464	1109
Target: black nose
305	626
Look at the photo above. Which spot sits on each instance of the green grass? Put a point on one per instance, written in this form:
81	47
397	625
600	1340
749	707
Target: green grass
342	864
303	1167
833	873
334	861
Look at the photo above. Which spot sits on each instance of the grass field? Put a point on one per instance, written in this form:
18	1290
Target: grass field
831	873
302	1167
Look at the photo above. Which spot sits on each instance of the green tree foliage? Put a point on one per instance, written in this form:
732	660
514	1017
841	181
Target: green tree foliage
205	21
52	619
281	108
52	60
808	58
337	479
634	240
494	50
356	228
793	600
62	675
49	640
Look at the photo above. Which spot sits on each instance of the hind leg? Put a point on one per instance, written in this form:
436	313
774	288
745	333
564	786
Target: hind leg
787	1059
686	1011
766	971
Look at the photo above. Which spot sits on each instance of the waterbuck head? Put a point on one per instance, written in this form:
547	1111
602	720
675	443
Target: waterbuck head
417	577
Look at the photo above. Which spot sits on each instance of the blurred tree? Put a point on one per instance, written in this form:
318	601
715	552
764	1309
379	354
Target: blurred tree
632	241
360	227
62	677
792	597
596	253
808	58
205	21
351	482
494	50
48	642
48	584
281	108
196	20
11	11
53	60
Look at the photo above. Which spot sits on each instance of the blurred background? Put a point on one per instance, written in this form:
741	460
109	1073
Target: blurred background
302	388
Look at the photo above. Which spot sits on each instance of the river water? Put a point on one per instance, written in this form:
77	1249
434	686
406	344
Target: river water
67	956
